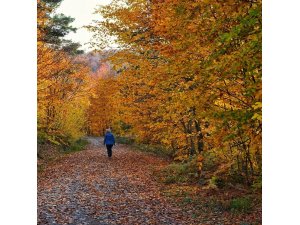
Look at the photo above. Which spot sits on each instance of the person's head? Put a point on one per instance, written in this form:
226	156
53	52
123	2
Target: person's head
108	130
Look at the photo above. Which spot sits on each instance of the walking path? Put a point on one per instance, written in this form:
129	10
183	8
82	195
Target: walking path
89	188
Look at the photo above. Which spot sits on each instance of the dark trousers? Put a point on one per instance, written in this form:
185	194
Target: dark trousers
109	151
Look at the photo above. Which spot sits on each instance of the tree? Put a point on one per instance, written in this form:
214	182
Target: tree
56	26
190	76
62	86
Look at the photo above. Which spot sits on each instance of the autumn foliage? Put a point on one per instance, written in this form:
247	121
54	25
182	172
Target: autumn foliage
188	78
62	85
102	109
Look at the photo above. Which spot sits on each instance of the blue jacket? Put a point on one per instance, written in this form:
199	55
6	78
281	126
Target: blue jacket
109	139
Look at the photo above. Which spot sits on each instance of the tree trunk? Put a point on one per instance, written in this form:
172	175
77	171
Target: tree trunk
200	142
192	149
186	138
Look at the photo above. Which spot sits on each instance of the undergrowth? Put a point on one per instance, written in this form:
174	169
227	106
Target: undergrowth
76	146
155	149
182	182
48	152
241	204
184	172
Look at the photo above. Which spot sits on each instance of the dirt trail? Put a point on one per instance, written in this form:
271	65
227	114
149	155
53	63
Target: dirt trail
89	188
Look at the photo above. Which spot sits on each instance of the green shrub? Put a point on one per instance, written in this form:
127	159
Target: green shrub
257	184
188	200
210	161
76	146
235	177
170	179
124	140
242	204
155	149
180	172
41	138
216	182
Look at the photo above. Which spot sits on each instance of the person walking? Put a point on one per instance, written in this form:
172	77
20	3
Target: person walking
109	141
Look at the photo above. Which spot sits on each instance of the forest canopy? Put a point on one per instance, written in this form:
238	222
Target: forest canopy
188	78
185	76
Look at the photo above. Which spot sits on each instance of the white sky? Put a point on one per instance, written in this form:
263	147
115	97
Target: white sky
82	11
